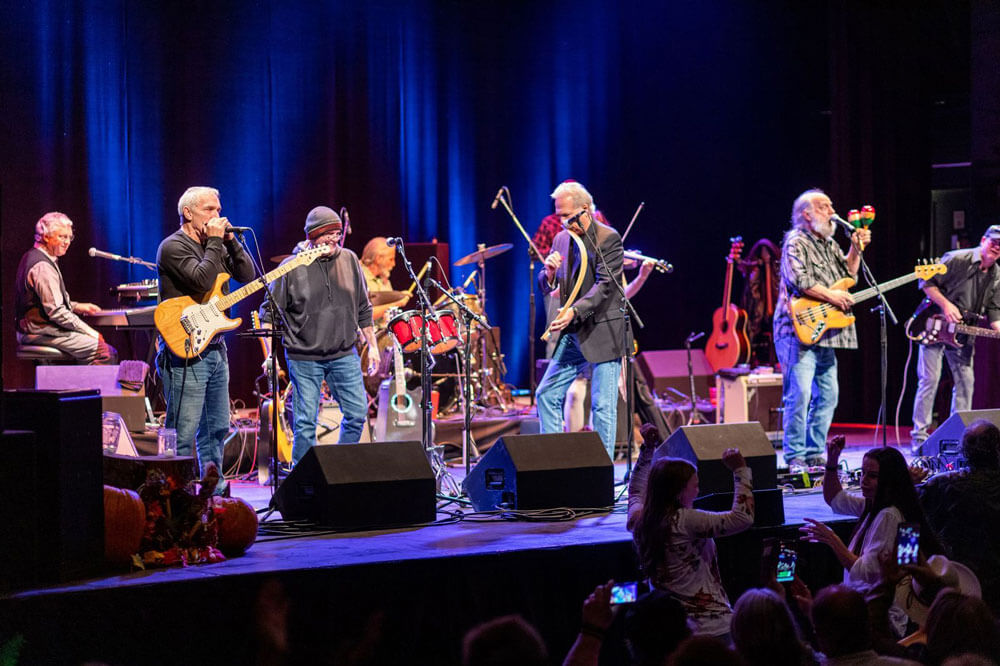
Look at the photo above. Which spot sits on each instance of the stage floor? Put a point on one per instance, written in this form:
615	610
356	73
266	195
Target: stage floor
475	534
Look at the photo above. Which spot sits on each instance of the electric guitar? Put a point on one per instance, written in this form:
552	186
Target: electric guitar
812	318
728	345
282	441
928	326
187	325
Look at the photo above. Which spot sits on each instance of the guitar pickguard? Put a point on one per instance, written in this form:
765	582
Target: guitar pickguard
201	322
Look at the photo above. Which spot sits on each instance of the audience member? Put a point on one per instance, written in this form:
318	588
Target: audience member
504	641
840	619
654	626
597	617
959	624
963	508
704	651
675	541
888	499
764	632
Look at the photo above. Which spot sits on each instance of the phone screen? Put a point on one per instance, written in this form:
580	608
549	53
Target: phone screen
907	543
786	564
626	593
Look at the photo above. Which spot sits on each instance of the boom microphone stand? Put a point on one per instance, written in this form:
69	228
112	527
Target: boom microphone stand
468	316
427	362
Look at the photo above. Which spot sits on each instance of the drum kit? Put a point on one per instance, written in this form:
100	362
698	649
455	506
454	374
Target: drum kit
446	333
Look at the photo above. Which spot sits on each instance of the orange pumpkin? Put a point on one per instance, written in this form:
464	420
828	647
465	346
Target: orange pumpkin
124	521
237	523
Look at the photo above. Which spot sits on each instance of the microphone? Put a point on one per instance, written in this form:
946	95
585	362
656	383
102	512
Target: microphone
843	224
236	230
496	199
394	242
94	252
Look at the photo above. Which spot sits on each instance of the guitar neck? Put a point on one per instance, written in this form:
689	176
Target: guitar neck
727	287
250	288
870	292
977	331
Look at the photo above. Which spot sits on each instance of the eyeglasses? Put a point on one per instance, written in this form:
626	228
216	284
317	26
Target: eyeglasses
64	237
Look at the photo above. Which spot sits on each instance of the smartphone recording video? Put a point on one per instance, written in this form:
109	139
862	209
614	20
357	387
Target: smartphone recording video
787	557
907	543
626	593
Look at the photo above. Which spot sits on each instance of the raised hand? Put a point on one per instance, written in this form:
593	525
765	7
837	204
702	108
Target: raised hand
733	459
834	447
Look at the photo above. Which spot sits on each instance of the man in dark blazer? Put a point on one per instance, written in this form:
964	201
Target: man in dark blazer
590	330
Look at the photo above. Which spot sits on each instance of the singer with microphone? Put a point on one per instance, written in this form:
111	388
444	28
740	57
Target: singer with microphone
811	261
324	305
44	314
590	329
189	262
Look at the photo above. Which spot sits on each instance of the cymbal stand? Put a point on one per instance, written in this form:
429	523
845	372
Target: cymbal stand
446	482
468	316
485	374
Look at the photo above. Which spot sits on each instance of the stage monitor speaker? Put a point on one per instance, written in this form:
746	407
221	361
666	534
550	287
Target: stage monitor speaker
668	369
114	398
54	487
703	445
946	440
527	472
354	486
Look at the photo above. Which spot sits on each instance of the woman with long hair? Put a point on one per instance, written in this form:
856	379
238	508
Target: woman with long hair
675	541
888	498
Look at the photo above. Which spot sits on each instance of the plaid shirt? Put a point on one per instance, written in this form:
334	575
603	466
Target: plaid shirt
807	260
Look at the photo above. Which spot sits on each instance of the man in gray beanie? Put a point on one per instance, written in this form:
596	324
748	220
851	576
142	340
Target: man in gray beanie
324	305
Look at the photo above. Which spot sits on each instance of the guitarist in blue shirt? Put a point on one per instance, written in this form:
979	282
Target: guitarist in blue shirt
968	289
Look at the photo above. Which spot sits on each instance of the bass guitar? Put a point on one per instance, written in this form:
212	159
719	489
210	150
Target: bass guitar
813	318
187	325
928	326
728	345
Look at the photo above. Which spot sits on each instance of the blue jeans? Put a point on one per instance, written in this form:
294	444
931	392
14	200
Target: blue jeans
567	362
343	376
199	412
809	396
928	376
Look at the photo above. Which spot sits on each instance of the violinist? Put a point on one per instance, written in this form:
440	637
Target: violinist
586	255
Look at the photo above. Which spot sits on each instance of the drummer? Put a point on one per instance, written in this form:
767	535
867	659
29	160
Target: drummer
377	261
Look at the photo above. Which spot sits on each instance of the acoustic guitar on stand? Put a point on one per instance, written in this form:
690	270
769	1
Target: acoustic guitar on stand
728	345
813	318
188	326
283	441
928	326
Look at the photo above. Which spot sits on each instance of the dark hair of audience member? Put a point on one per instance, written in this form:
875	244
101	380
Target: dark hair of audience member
504	641
958	624
763	630
981	445
654	626
667	478
704	651
895	488
840	619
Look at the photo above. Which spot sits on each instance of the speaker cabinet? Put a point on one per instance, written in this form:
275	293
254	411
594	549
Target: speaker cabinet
353	486
666	369
53	487
542	472
131	405
702	446
947	439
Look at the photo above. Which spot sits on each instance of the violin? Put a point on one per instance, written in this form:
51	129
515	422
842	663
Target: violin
659	264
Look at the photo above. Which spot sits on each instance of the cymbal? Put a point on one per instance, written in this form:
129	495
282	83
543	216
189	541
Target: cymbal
483	255
278	258
384	297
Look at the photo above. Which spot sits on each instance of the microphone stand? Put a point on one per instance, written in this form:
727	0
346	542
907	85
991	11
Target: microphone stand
468	316
695	417
427	363
531	286
882	308
278	325
628	311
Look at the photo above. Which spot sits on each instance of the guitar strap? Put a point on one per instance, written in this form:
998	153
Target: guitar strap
983	280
